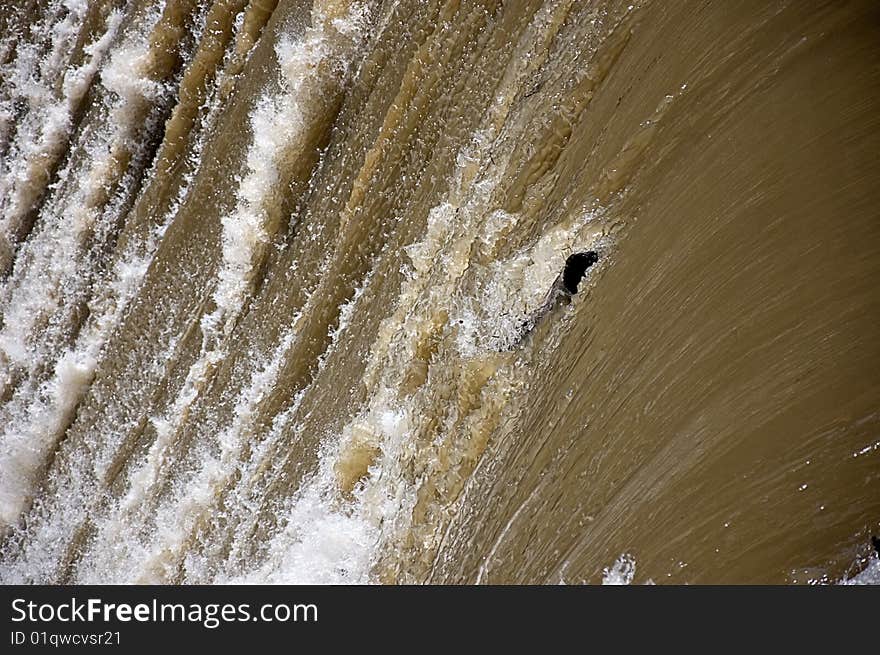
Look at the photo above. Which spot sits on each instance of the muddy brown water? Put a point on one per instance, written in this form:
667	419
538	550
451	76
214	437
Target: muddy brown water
265	264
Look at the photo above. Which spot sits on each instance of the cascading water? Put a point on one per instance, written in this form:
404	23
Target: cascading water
278	292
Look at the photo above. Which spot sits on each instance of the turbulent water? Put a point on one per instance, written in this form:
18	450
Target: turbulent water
265	266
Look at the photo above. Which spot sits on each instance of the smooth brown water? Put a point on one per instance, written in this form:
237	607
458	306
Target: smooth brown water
266	266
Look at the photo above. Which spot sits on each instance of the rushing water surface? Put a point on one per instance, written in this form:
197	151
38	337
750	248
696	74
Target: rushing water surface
274	291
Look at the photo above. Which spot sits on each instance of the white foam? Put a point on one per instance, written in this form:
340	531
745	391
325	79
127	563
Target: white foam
323	541
870	575
46	131
276	122
621	572
105	311
147	562
321	546
31	76
328	539
48	272
23	449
